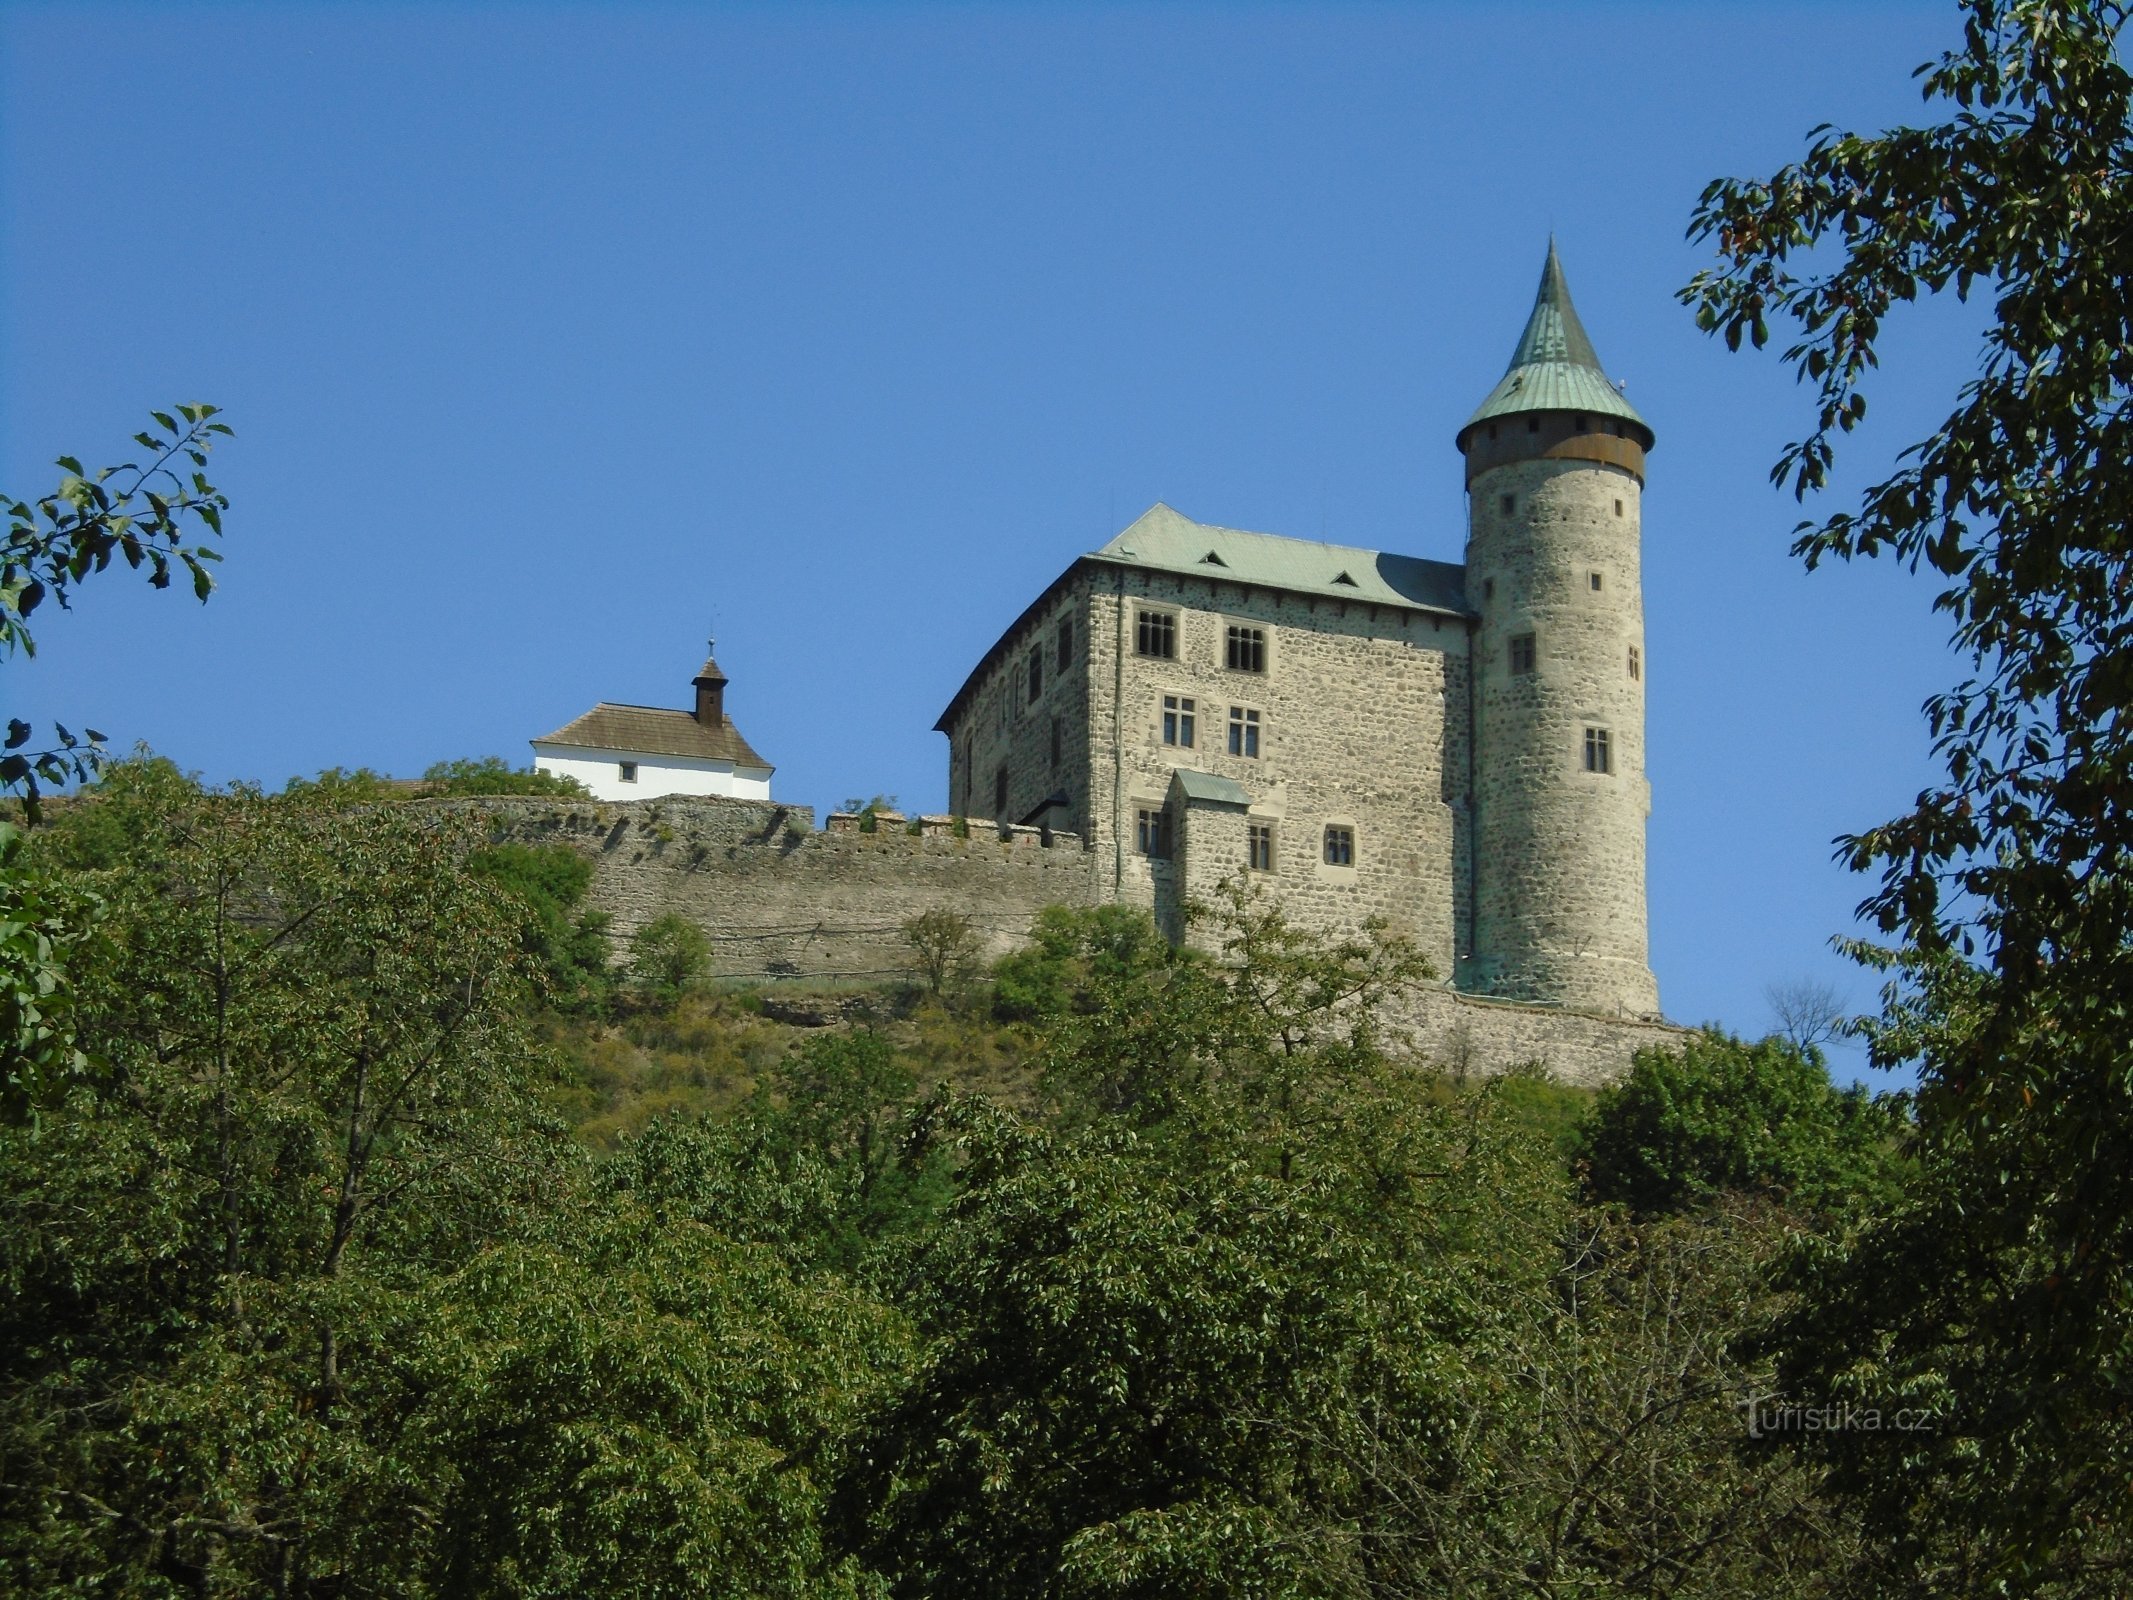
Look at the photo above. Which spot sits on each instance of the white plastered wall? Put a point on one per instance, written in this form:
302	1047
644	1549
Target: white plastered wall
601	773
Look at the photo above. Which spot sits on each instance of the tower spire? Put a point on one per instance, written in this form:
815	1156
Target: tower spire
1555	368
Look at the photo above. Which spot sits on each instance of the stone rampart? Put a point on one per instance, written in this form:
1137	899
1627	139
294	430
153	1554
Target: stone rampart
783	900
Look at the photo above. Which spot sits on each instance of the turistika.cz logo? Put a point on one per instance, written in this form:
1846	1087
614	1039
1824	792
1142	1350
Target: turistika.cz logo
1770	1414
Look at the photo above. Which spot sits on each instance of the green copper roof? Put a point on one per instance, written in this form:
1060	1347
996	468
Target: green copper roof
1209	789
1168	541
1555	367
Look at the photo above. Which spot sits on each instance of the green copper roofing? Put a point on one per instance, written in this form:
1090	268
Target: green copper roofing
1555	367
1208	789
1167	541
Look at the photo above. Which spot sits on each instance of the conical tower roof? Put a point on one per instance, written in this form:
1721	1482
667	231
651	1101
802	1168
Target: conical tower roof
1555	367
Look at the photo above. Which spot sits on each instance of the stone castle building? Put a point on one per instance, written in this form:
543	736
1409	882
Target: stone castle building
1457	748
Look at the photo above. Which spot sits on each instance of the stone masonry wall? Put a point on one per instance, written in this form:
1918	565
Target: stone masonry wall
782	901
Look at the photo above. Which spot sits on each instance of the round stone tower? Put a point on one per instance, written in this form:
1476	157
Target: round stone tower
1554	473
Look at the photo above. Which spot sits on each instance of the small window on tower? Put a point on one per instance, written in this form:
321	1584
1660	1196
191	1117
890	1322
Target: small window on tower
1488	588
1155	633
1533	424
1595	577
626	771
1492	430
1259	846
1618	508
1066	643
1036	674
1246	649
1510	504
1524	652
1599	751
1636	662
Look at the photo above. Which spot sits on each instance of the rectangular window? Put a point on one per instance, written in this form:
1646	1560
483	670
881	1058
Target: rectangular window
1036	675
1152	833
1510	504
999	794
1247	649
1259	846
1179	716
1155	633
1596	581
1523	652
627	772
1243	732
1636	662
1599	752
1340	846
1066	643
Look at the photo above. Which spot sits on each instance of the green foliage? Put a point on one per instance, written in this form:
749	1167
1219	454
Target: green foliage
1997	1294
943	945
669	956
44	928
1070	948
313	1299
567	942
139	512
1722	1115
492	775
869	811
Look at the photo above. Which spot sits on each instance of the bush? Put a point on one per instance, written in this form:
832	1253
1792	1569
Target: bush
1070	948
491	775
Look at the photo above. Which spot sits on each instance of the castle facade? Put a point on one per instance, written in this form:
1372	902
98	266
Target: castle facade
1454	747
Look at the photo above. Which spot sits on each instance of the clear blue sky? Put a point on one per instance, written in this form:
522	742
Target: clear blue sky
555	334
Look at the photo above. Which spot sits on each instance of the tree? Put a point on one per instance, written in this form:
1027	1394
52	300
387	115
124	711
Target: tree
1809	1014
1996	1294
943	945
1072	948
494	775
313	1298
1721	1115
669	955
143	514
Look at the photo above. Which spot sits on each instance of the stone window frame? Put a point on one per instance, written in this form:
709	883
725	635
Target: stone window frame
625	772
1599	750
1185	709
1260	853
1636	665
1524	653
1172	627
1595	581
1246	726
1231	628
1337	836
1034	671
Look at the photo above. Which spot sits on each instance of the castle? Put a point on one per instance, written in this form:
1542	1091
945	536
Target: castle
1457	749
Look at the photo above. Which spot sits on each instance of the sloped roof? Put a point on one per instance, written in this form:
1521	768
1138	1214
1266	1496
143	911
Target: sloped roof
1206	786
654	731
1555	367
1165	540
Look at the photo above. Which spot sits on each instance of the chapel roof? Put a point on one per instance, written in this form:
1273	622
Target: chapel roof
1554	367
655	731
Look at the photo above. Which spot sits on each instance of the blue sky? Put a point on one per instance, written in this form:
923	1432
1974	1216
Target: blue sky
556	335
